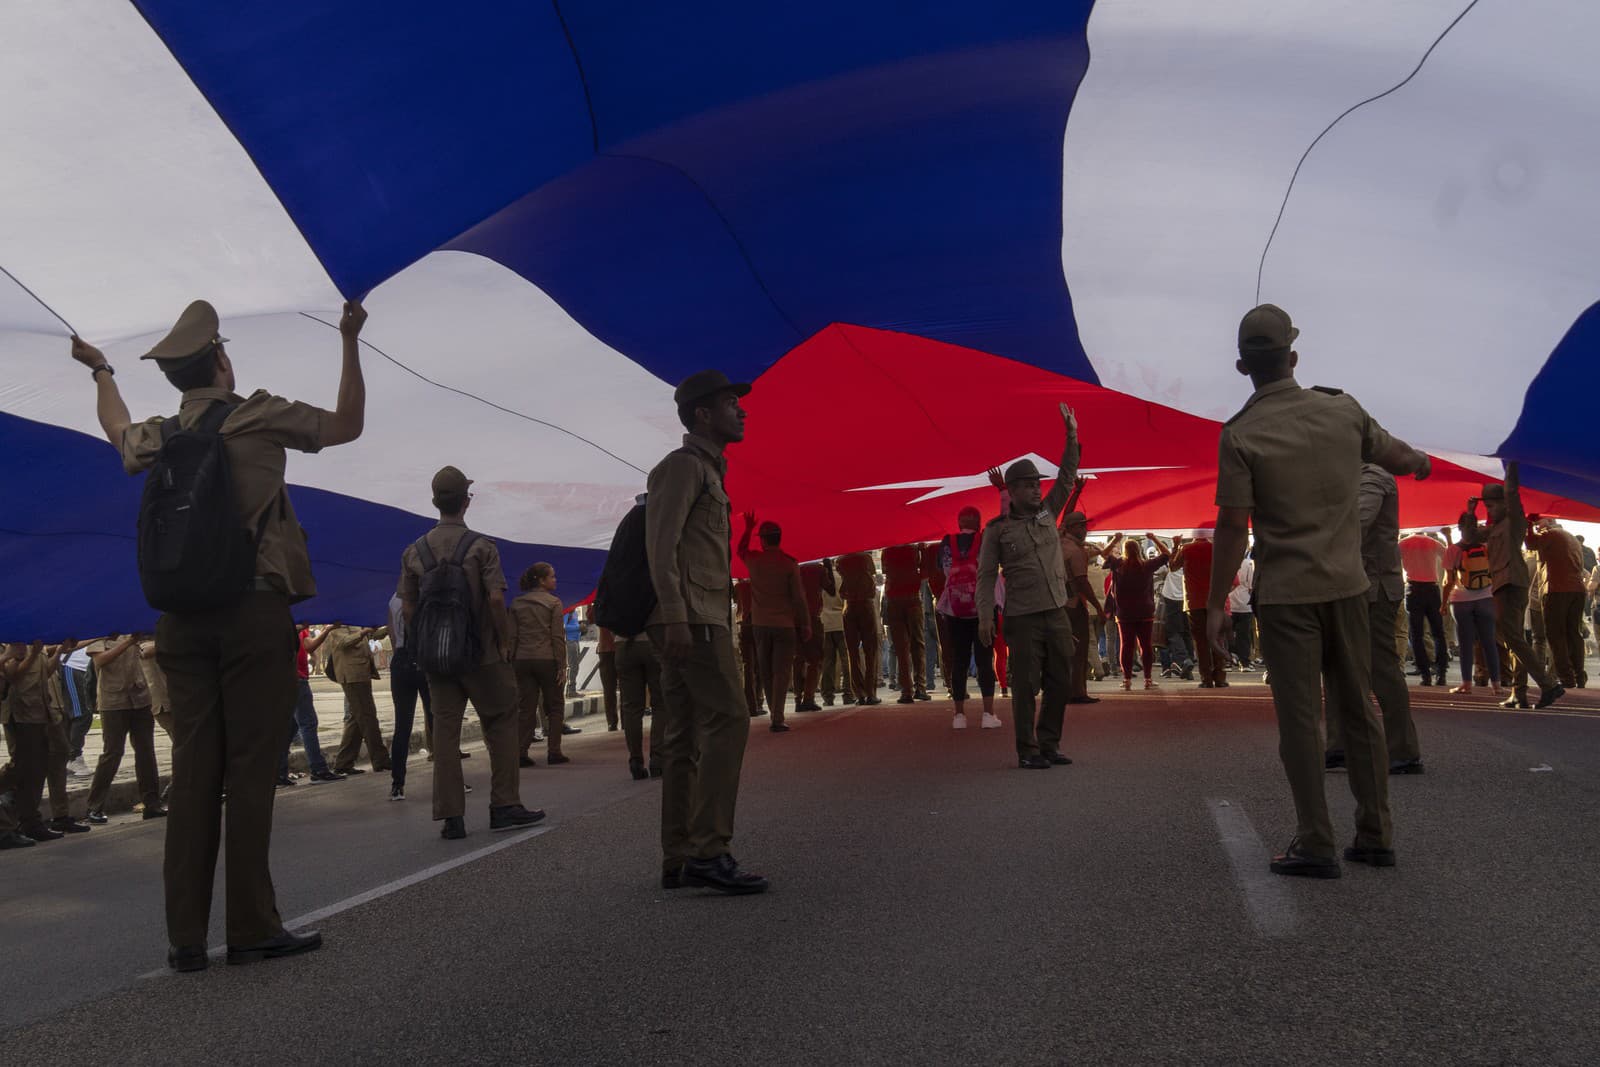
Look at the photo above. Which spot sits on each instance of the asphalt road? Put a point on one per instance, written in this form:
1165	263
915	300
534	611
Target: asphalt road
931	904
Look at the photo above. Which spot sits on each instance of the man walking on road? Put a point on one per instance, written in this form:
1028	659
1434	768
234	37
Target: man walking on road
1023	543
229	671
1291	460
687	533
1507	530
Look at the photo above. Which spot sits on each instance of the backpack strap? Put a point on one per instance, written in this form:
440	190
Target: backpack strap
425	554
210	422
464	546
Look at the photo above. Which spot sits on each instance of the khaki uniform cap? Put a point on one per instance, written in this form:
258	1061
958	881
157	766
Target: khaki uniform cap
192	336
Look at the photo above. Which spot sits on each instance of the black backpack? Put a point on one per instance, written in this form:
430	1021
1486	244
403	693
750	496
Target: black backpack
625	596
193	553
444	631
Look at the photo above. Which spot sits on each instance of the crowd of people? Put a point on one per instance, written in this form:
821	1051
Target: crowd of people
1332	600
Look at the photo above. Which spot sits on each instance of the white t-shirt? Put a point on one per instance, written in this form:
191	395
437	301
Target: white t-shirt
1172	588
1239	595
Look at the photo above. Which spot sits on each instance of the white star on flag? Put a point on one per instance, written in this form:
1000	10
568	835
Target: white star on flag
963	483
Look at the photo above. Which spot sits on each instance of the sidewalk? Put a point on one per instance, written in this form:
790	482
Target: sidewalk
329	698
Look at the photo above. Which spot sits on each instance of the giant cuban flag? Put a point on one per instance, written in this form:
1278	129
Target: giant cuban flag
915	228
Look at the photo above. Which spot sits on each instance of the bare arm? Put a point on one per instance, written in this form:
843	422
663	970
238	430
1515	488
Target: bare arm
316	642
350	413
108	404
1232	539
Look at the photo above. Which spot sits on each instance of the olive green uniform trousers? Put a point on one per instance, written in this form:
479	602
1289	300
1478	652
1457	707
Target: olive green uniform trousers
1312	650
1041	649
702	746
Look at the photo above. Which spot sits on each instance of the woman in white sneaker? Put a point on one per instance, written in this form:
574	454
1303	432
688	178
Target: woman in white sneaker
958	558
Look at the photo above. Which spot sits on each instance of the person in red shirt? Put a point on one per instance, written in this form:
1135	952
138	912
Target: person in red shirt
860	591
808	664
902	599
1193	558
778	604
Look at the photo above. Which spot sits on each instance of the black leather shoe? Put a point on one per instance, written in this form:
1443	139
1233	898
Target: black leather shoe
672	878
655	770
906	700
1550	696
98	818
1058	760
326	776
187	959
1033	763
778	728
285	944
1406	766
1084	700
43	833
12	839
526	761
571	729
1302	864
285	780
1333	759
1513	702
69	825
636	768
871	701
758	713
1427	679
159	813
556	761
454	828
514	817
923	696
348	771
722	874
1371	855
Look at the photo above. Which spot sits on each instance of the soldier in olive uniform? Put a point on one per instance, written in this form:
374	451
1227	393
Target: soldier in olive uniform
1291	461
707	720
230	670
1023	542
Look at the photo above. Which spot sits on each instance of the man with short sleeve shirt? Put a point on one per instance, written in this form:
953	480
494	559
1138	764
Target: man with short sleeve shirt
1507	530
229	669
1422	560
123	699
902	610
1562	557
1290	461
490	685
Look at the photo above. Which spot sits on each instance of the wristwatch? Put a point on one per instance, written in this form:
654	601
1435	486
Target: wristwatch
108	368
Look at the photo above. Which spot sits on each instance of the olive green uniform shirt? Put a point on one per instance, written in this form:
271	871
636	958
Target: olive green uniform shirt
484	576
27	696
687	527
120	683
538	630
351	655
1293	457
1028	549
1380	533
257	435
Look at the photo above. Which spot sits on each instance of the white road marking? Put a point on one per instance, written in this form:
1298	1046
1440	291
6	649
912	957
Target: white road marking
512	837
1266	898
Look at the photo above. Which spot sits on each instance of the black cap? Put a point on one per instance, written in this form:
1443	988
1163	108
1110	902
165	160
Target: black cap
706	383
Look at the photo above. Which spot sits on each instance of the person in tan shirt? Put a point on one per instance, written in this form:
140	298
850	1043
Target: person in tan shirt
708	722
491	685
350	660
123	701
539	660
1564	593
780	618
1508	527
25	713
229	669
862	634
1290	463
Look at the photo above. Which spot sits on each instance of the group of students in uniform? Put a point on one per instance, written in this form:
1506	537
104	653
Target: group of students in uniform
1308	469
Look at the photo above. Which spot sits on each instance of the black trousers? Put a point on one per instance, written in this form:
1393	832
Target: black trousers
407	683
1423	604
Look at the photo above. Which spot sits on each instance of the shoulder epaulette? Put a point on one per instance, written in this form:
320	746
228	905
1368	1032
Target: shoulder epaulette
1330	390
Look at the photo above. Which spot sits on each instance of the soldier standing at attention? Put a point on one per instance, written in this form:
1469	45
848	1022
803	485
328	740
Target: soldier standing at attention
228	668
1291	461
1023	542
687	531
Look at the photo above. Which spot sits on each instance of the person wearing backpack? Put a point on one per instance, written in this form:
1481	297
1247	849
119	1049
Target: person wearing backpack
1469	590
958	608
453	592
687	530
226	637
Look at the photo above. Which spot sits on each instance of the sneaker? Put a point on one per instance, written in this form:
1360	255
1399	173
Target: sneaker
285	780
466	788
454	828
1151	683
538	736
960	722
79	769
991	722
397	792
43	833
69	825
326	775
1127	685
514	817
98	818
